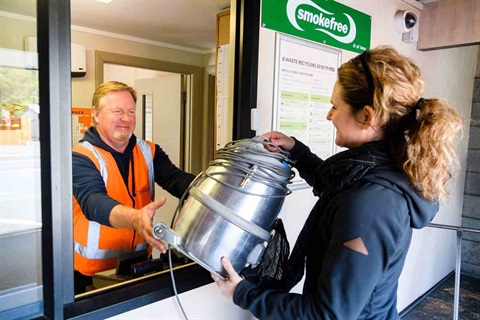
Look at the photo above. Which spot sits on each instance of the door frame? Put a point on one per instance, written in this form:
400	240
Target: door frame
197	155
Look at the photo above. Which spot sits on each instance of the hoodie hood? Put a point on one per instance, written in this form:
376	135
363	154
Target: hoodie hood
123	160
93	137
372	162
421	211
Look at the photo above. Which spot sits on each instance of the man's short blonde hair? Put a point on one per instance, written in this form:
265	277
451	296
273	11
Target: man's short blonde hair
108	87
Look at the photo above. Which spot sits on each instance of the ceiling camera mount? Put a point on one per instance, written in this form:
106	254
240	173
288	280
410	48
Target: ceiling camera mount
404	21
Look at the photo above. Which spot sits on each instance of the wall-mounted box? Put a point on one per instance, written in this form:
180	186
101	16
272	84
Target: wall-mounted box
78	58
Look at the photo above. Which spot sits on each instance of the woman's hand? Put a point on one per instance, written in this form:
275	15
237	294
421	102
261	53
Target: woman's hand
283	141
228	287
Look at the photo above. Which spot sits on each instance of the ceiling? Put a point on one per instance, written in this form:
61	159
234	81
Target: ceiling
184	23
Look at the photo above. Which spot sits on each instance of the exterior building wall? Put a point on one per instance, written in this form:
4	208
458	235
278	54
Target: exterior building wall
471	202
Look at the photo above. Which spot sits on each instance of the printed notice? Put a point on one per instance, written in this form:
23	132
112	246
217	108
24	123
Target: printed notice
81	121
305	76
222	97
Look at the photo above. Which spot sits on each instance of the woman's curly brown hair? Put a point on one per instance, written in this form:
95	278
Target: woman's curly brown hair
421	132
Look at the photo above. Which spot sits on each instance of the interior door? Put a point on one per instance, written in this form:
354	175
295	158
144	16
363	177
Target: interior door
159	119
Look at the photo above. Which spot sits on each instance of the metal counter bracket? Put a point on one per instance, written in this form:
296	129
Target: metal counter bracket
161	232
458	264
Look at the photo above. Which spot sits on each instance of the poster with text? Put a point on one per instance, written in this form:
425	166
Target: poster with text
81	121
305	74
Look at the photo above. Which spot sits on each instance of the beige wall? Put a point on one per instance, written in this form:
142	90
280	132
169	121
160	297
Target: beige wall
13	31
82	88
448	73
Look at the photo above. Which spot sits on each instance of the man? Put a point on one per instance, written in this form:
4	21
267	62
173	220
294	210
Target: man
113	185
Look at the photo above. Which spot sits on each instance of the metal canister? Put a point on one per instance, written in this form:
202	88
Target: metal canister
232	206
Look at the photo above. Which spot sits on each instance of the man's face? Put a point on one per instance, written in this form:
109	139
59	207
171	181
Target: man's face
116	119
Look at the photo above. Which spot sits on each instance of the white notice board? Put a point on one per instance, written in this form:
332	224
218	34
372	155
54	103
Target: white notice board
305	73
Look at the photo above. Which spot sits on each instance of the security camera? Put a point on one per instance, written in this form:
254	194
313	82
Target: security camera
404	21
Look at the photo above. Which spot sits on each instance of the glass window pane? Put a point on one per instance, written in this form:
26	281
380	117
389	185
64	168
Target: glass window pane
20	194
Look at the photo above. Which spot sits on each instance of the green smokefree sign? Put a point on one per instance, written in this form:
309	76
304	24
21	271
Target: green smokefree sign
323	21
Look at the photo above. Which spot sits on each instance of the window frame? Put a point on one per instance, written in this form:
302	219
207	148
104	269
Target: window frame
53	47
246	24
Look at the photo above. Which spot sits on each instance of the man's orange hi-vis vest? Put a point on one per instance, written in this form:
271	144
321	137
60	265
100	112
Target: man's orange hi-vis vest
96	246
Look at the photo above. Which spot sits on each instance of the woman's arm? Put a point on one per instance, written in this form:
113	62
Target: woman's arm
348	277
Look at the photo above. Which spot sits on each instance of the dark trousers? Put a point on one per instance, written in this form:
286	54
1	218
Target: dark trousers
81	282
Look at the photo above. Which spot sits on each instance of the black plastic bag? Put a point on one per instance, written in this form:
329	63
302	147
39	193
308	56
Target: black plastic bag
268	272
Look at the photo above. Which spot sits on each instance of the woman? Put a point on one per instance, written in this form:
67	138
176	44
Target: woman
390	180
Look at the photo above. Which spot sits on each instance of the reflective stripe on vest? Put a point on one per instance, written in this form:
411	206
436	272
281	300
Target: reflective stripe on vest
147	154
103	164
91	251
105	254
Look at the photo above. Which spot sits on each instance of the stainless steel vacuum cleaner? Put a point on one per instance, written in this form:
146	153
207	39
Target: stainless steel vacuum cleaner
231	206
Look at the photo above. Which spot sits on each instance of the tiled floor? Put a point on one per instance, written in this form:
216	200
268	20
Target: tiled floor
439	304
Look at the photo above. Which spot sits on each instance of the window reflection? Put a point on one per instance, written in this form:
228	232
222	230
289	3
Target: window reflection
20	194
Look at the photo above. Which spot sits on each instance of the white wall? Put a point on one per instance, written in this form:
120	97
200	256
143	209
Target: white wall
449	74
83	88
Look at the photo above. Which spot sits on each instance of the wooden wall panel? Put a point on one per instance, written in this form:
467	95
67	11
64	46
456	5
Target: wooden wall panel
223	28
449	23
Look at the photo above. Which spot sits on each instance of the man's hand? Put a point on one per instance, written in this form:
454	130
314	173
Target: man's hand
228	287
143	223
140	220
